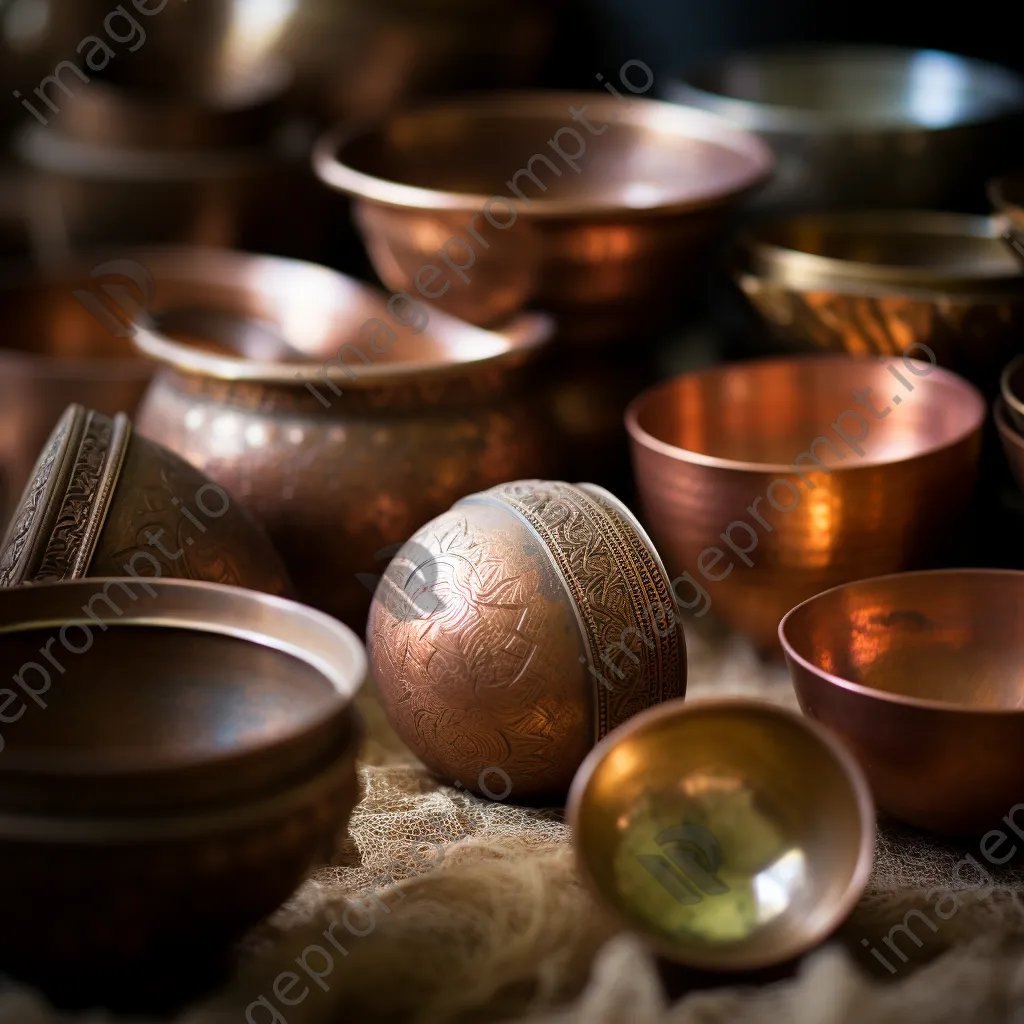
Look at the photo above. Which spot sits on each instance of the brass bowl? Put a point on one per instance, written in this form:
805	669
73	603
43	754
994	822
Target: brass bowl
513	632
785	436
598	246
105	502
1011	387
919	674
732	835
944	253
55	352
860	126
211	736
1013	442
342	419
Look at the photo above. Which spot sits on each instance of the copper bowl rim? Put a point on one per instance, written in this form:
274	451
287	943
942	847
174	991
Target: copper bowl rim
848	765
1011	400
654	115
197	610
646	440
523	337
882	695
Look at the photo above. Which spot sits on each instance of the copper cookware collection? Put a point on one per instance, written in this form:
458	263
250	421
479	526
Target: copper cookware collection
204	424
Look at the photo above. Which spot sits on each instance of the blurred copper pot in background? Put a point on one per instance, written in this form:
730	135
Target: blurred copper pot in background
344	421
482	205
60	342
765	483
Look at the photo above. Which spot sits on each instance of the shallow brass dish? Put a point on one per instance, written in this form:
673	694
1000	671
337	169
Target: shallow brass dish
732	835
603	238
174	779
920	675
709	446
103	501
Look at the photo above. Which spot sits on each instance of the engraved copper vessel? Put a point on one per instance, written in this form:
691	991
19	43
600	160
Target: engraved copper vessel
765	482
342	419
799	833
440	194
514	631
104	502
55	351
919	675
879	284
173	781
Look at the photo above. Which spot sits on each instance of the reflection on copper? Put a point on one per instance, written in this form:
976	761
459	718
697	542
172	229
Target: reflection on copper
919	673
707	446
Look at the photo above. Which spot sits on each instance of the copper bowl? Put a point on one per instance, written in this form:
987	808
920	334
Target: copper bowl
856	126
175	778
55	351
342	419
883	284
513	632
919	674
731	835
1013	442
837	493
1011	386
105	502
439	190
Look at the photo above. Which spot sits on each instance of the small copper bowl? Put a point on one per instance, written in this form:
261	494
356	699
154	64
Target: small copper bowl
173	780
513	632
919	674
732	835
837	494
1011	387
104	502
1013	442
439	193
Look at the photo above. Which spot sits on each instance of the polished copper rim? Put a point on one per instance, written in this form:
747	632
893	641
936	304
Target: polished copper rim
774	255
940	577
851	770
1011	386
320	641
642	437
652	115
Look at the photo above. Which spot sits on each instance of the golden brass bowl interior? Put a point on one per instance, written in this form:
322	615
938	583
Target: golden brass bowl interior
458	154
1011	386
160	691
920	674
731	834
760	415
914	249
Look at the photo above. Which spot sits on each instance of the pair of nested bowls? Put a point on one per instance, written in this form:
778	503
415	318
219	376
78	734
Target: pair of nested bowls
887	284
176	752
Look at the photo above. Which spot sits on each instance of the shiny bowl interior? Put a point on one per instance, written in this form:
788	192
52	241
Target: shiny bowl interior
731	834
855	87
759	415
168	694
458	154
908	249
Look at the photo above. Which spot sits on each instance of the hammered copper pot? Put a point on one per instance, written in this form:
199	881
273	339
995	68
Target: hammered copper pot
919	675
173	783
515	630
768	481
343	420
474	204
105	502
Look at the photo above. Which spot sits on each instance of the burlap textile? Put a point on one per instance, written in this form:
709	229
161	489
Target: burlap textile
450	909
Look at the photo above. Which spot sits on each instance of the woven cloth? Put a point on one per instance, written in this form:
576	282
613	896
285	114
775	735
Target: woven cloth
442	908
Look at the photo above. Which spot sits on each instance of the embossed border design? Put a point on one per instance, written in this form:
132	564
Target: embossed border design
662	672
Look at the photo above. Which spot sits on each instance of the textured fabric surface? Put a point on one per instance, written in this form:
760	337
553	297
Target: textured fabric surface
446	908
